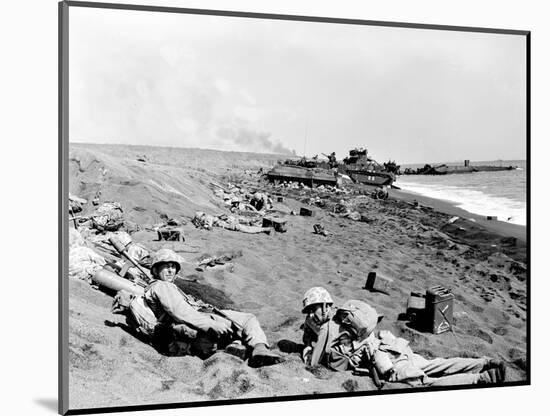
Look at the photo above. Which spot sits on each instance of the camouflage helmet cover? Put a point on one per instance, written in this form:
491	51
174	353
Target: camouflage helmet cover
362	317
316	295
165	255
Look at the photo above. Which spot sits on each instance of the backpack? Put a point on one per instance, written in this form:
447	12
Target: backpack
108	217
139	317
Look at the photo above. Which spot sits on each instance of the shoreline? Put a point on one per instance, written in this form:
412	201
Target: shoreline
501	228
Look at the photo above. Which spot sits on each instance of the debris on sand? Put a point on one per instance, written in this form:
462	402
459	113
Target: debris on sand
170	233
319	229
108	217
228	222
214	261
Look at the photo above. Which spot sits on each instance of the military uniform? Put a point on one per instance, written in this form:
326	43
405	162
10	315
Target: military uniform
192	321
348	341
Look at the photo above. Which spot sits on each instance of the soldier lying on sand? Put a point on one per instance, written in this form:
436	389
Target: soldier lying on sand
194	327
228	222
344	339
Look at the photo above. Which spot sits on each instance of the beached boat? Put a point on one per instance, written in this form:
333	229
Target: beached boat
445	169
363	169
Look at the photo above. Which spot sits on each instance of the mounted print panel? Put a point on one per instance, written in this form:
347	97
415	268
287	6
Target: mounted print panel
264	207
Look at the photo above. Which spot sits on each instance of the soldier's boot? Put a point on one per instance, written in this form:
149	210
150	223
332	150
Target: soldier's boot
237	349
495	375
261	356
493	363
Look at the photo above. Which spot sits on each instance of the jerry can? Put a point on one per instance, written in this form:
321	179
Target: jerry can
439	309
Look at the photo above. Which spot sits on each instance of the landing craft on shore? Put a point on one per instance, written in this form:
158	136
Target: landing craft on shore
357	166
363	169
444	169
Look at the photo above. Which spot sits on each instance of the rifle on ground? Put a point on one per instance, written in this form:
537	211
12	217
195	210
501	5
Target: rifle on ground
371	370
124	253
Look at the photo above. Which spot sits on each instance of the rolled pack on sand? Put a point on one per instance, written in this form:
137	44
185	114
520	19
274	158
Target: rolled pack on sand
114	282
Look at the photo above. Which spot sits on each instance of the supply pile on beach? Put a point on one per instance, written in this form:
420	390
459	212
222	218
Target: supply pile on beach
410	244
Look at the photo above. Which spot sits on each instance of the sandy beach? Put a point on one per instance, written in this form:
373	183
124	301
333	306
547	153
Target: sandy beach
407	239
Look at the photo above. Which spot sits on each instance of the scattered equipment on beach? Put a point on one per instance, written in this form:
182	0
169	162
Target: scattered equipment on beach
168	233
112	281
319	229
279	224
121	249
439	309
306	212
432	311
416	307
369	284
382	284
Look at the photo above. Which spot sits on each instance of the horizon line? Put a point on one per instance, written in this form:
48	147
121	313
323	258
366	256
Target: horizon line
279	154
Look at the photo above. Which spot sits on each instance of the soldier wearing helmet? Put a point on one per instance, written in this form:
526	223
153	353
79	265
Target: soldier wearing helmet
317	304
346	339
319	329
260	201
202	328
165	265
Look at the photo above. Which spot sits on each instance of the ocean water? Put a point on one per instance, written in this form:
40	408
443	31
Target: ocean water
502	194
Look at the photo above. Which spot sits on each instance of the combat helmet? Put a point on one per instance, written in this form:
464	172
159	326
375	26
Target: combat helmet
316	295
165	255
359	317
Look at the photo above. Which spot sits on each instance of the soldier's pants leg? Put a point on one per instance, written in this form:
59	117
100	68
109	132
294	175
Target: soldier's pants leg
250	229
440	367
251	332
452	380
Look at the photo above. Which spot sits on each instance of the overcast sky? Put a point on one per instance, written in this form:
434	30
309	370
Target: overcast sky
275	86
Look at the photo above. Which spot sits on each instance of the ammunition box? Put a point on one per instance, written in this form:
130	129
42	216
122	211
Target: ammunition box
307	212
277	223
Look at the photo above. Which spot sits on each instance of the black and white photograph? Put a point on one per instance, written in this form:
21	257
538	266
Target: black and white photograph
275	207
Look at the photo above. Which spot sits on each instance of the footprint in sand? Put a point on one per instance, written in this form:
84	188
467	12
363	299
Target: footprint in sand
476	308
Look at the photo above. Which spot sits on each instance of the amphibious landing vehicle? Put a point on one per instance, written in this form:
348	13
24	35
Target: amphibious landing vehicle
363	169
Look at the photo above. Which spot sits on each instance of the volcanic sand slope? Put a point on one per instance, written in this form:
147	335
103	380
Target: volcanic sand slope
111	367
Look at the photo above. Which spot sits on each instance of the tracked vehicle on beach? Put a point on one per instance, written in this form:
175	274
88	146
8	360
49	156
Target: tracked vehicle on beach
363	169
310	176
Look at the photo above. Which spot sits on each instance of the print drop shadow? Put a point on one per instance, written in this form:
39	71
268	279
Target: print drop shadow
50	404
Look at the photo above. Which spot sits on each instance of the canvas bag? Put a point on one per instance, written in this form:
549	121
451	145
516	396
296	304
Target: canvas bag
139	316
108	217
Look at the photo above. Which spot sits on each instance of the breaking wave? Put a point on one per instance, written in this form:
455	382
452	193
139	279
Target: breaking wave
472	200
